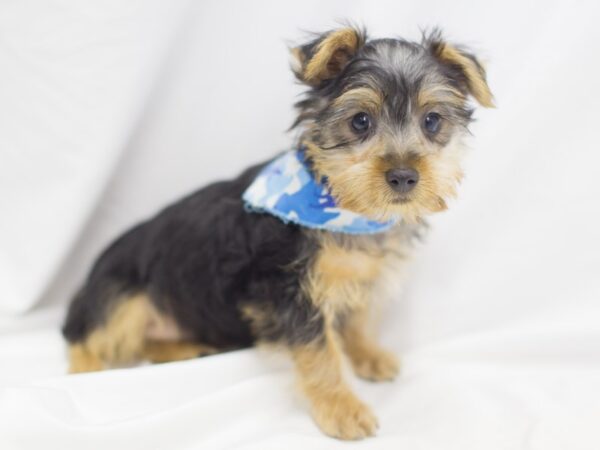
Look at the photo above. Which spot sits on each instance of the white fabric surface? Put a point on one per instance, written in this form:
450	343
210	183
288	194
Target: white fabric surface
75	78
109	110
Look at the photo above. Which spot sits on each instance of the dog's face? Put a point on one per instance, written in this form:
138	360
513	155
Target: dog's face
384	120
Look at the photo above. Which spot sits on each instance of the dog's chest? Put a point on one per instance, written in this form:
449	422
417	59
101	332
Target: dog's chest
346	268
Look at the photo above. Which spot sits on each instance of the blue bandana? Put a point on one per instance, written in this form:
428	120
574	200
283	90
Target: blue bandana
287	189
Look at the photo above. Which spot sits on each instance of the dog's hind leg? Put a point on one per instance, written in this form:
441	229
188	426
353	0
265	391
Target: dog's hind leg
119	341
165	351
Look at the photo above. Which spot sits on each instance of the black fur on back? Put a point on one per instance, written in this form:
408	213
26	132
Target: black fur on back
202	260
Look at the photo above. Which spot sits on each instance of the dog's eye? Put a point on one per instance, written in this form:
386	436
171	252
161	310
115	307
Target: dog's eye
432	123
361	122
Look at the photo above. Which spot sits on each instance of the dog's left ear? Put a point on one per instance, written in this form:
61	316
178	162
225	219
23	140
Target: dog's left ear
463	67
326	56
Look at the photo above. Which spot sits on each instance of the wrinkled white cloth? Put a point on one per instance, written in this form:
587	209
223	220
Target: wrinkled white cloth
110	110
75	78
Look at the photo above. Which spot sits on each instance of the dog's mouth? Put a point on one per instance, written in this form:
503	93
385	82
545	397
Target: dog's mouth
401	199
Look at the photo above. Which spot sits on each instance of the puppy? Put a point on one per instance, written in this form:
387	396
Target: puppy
290	251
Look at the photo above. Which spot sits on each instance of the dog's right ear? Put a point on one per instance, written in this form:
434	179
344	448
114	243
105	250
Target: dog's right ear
326	56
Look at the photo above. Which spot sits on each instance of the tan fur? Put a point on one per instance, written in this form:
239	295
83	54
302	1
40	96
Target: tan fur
341	282
436	94
368	359
362	99
331	56
337	411
134	331
475	76
357	178
120	341
343	273
83	360
260	319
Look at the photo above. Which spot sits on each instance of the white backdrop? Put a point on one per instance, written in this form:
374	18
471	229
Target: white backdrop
110	110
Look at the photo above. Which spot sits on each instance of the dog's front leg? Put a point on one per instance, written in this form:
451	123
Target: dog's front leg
335	408
368	359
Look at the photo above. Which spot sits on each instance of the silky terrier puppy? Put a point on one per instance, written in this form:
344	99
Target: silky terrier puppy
291	251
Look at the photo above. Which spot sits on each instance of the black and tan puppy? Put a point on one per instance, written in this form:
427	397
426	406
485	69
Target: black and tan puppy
382	128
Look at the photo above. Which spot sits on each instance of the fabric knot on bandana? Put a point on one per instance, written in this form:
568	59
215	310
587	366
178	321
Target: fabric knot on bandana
286	188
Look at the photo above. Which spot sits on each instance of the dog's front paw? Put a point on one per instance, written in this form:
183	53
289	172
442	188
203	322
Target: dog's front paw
343	416
379	365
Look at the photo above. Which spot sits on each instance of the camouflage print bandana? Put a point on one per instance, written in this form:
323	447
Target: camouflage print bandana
287	189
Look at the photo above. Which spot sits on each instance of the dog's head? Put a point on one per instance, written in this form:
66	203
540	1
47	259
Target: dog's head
383	120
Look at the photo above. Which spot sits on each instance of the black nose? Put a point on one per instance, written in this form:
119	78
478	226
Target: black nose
402	180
